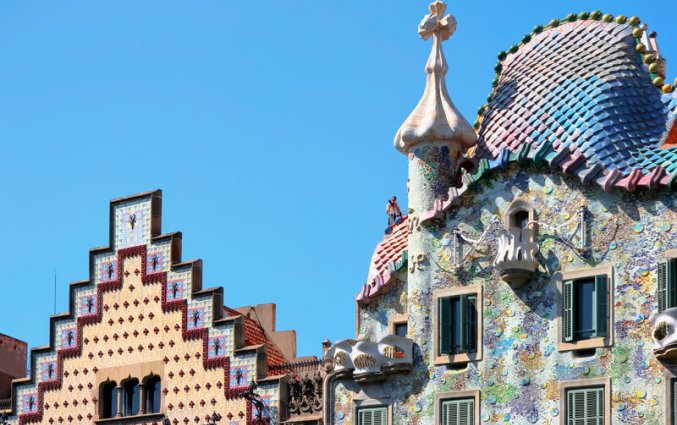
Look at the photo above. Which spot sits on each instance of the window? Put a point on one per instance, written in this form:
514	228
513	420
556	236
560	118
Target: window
457	412
372	416
397	324
153	394
109	398
519	219
401	329
457	324
585	406
131	397
667	284
521	215
585	308
457	407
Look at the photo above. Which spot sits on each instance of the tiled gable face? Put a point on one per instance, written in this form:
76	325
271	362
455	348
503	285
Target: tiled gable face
143	314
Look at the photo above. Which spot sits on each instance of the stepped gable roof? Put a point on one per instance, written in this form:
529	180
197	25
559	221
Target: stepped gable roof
255	335
588	91
390	255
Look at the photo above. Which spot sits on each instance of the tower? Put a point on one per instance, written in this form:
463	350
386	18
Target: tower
434	137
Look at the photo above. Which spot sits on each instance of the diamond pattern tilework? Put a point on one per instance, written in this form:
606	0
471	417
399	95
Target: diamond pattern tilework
106	268
270	398
158	258
580	86
242	370
132	223
87	302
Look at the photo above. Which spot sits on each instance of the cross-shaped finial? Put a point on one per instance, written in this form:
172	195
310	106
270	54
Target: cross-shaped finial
436	23
438	8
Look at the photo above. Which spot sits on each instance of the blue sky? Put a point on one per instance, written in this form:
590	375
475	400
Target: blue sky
268	125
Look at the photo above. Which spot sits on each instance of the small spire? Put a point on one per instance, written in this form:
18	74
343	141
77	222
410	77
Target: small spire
435	119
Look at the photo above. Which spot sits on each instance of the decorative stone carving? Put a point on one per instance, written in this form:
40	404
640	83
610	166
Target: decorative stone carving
305	395
515	258
664	335
416	262
367	361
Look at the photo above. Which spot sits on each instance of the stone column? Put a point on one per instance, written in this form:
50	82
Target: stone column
119	404
142	398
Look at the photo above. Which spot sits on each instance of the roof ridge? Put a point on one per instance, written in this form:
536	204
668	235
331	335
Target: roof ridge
595	16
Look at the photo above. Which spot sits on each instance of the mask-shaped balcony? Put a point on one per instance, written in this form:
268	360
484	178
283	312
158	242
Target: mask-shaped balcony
367	361
665	335
516	254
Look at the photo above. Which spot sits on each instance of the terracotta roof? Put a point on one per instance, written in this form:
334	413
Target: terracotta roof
581	90
390	255
255	335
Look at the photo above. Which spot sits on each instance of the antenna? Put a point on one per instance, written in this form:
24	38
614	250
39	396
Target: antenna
54	291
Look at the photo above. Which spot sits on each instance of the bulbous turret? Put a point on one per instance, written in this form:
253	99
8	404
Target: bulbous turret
435	119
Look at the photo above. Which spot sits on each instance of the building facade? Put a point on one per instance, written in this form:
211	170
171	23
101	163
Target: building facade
534	278
12	366
144	343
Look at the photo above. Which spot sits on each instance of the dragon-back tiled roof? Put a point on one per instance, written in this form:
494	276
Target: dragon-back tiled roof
584	95
582	89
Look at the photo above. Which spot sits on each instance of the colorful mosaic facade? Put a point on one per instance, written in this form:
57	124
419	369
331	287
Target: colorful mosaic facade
142	312
577	132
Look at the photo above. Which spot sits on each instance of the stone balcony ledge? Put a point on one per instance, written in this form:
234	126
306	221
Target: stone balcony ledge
367	361
664	335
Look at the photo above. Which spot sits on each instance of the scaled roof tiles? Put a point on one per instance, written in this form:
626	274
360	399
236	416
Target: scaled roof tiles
390	255
255	335
575	96
581	89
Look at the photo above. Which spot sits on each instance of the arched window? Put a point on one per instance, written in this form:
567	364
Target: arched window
130	397
109	399
521	215
152	394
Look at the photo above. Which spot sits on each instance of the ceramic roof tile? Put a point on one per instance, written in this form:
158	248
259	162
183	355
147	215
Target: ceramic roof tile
390	255
255	335
582	79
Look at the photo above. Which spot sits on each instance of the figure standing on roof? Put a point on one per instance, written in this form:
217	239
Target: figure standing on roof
393	212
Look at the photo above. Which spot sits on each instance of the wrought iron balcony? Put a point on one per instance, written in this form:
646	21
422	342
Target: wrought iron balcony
665	335
515	258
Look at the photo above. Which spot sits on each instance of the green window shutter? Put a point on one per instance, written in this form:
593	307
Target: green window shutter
671	278
568	310
467	412
601	313
463	328
662	290
458	412
470	323
372	416
585	406
444	326
360	417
